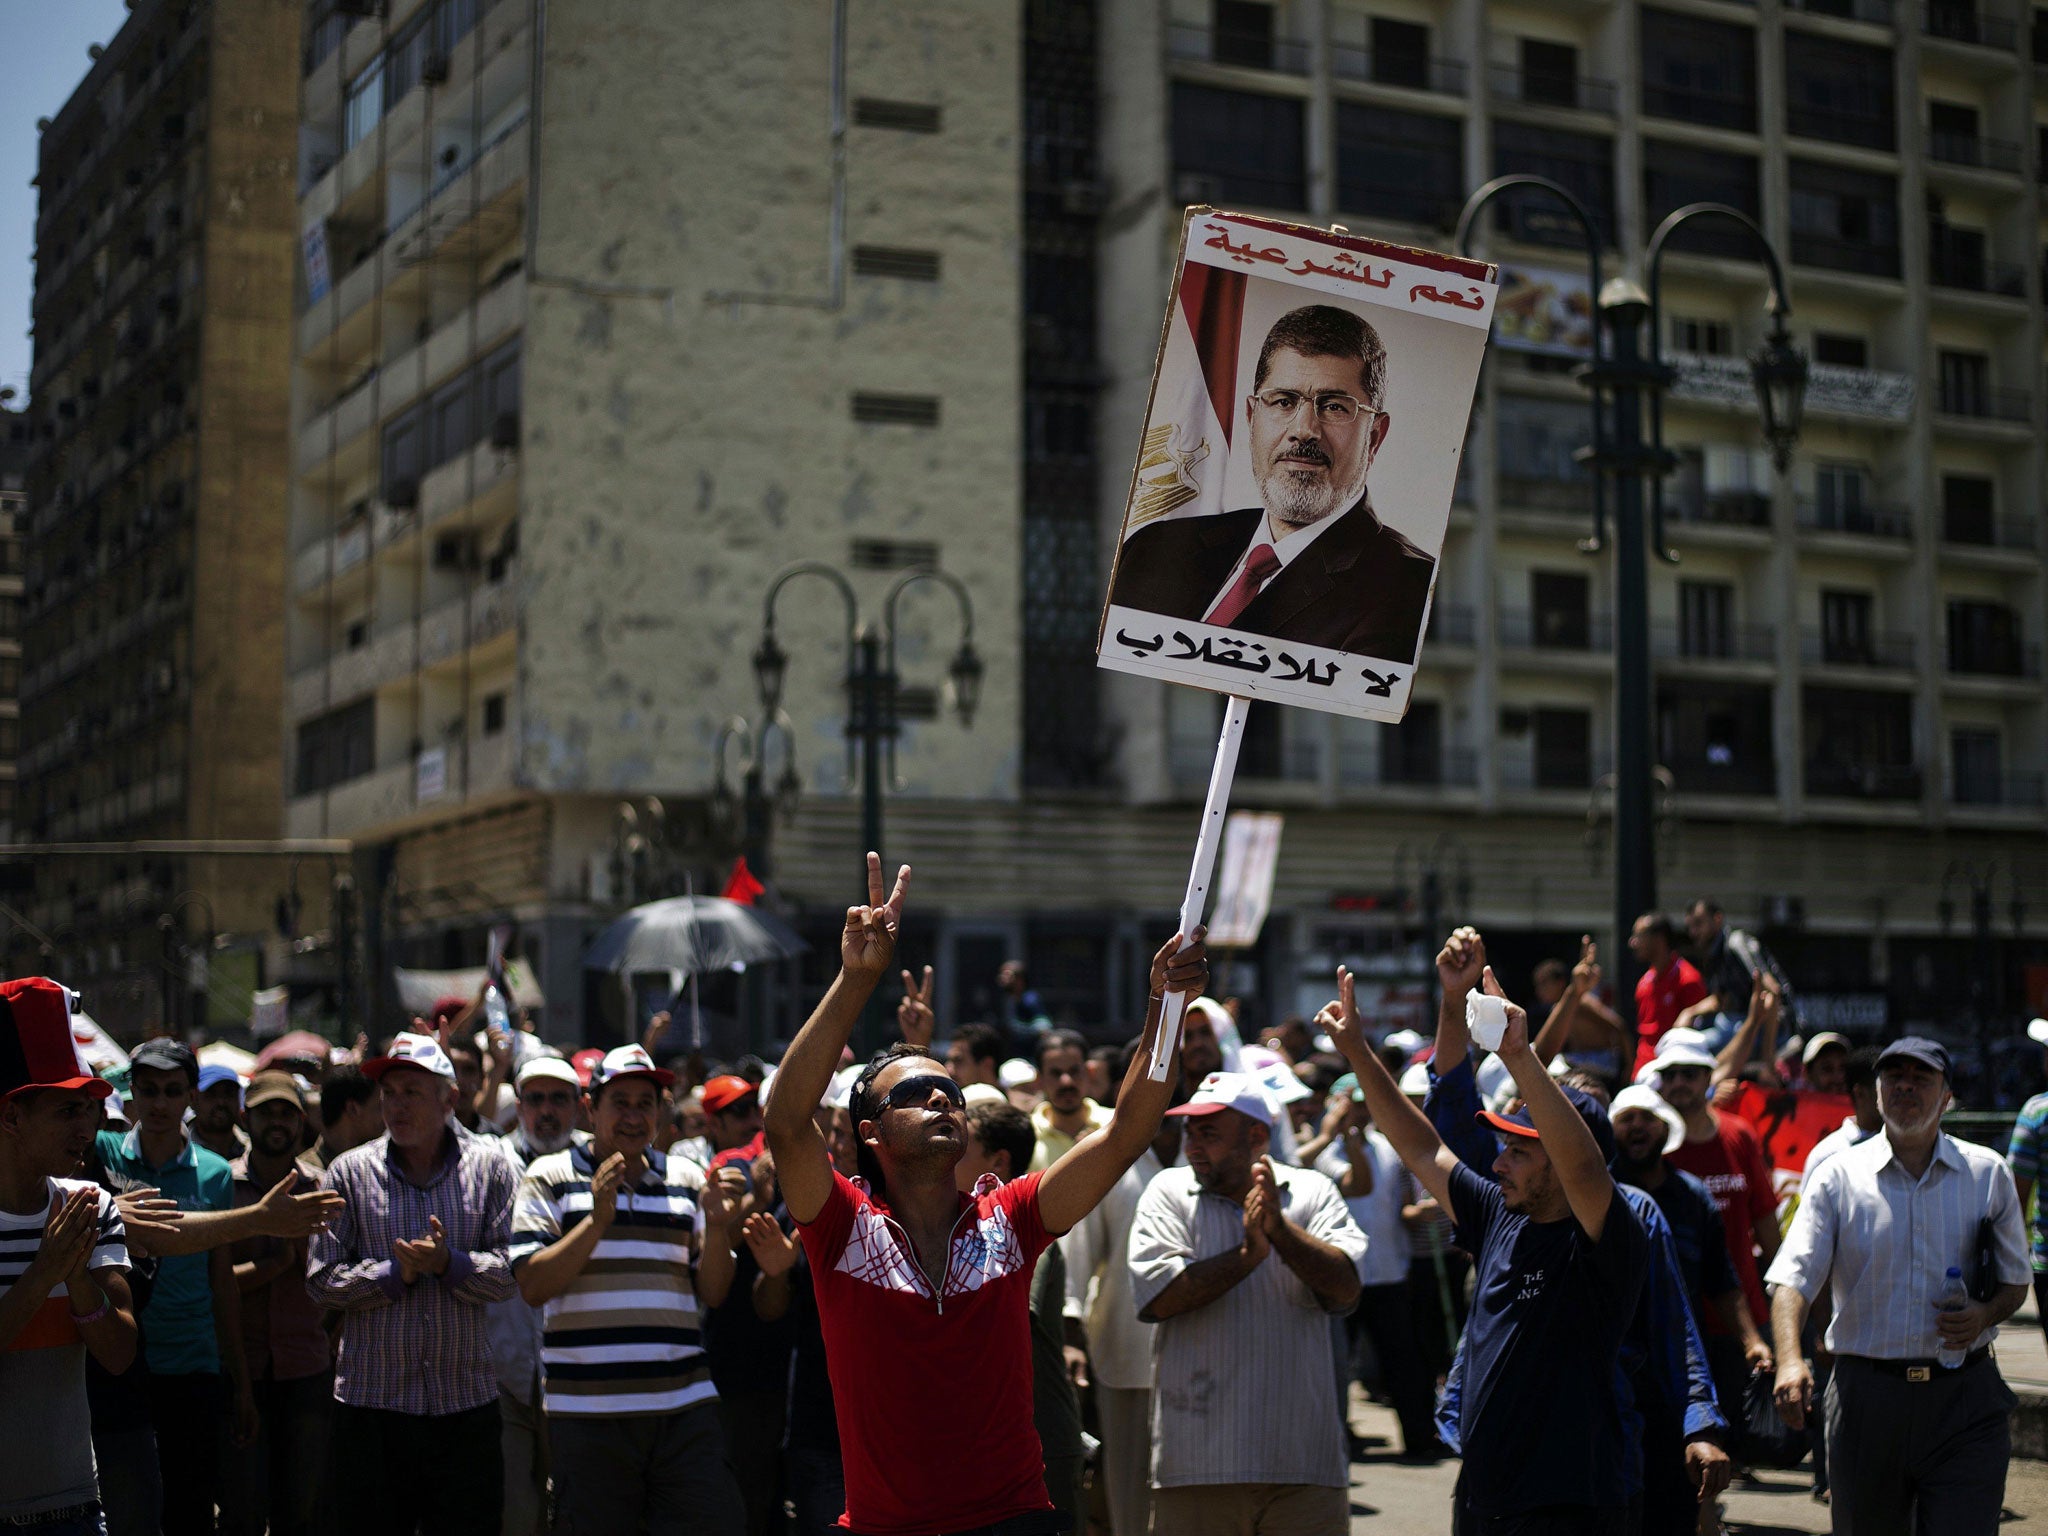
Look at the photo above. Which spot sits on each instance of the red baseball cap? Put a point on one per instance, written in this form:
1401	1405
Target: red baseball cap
721	1093
585	1062
36	1049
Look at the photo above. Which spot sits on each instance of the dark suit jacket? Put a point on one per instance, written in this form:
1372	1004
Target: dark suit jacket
1360	587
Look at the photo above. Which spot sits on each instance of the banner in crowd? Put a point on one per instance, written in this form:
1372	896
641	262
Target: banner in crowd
1789	1122
1294	480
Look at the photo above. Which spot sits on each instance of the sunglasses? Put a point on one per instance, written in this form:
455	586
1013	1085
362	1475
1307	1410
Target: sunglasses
917	1090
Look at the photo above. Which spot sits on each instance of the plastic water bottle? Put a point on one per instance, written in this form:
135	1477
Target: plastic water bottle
496	1017
1953	1298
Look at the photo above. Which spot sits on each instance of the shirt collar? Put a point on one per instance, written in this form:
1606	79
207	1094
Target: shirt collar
131	1147
1945	1151
1289	545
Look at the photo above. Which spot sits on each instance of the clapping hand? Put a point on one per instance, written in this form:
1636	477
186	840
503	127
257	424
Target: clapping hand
1461	962
604	1191
773	1249
423	1255
1262	1218
68	1237
914	1014
869	941
717	1204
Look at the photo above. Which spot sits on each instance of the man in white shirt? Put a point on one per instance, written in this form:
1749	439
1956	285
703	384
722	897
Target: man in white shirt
1915	1444
1859	1081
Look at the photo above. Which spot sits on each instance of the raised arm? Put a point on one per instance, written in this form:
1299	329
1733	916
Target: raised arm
1759	1030
1458	965
1399	1121
1086	1171
1565	1137
802	1160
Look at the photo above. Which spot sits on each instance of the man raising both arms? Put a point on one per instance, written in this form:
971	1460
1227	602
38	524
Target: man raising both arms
924	1292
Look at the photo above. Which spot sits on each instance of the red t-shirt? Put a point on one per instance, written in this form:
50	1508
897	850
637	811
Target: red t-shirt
1732	1167
1661	996
933	1392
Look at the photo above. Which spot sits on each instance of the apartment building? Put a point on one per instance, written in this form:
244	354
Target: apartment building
17	438
151	540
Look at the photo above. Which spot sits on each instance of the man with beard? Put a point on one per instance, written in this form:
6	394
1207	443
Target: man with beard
1915	1442
924	1292
548	1095
1560	1258
1067	1113
217	1113
281	1475
1314	564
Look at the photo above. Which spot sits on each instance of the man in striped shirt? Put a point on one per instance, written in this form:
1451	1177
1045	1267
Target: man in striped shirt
623	1246
412	1261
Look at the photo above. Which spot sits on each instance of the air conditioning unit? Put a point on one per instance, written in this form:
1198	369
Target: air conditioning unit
434	69
505	430
403	494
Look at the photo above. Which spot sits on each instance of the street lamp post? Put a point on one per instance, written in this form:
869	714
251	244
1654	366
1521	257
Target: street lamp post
754	812
1621	378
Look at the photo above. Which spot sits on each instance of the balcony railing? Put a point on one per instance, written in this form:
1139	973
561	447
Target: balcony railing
1817	648
1445	77
1711	109
1871	519
1556	771
2012	791
1249	49
1539	88
1453	768
2014	660
1727	509
1729	642
1968	24
1968	149
1864	781
1545	493
1878	12
1556	631
1451	624
1976	275
1812	249
1724	778
1986	404
1870	130
1984	530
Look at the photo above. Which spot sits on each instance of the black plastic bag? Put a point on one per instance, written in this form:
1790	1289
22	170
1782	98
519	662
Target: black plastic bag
1763	1438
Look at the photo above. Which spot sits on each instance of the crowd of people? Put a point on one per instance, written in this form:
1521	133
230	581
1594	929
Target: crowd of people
1008	1283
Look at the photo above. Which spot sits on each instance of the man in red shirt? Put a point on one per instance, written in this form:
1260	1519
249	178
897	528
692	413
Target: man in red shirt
924	1292
1668	986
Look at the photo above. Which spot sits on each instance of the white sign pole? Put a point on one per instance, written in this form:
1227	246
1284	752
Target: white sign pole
1207	841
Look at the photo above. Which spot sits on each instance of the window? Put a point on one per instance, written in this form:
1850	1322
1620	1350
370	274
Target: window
1677	174
494	713
452	22
1238	146
1550	72
1564	748
402	61
450	429
336	747
402	466
1582	163
1713	338
1560	610
1840	351
1841	495
365	105
1706	613
1844	219
1699	71
322	38
1838	91
1244	33
1969	509
1845	629
1399	165
499	391
1984	637
1956	256
10	676
1860	743
1412	752
1965	382
1537	441
1975	765
1715	738
1400	53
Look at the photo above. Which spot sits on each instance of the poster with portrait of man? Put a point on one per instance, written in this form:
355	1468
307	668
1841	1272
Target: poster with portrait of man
1287	513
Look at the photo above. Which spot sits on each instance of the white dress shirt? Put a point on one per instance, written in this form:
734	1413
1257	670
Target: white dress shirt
1849	1134
1287	548
1889	1240
1099	1284
1387	1245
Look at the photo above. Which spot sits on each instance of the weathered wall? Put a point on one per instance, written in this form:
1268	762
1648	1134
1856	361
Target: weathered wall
680	448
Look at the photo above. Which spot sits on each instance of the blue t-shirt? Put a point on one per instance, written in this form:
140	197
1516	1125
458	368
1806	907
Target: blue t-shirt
1701	1236
1544	1421
177	1325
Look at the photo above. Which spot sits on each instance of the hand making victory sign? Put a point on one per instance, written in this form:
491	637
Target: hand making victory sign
914	1014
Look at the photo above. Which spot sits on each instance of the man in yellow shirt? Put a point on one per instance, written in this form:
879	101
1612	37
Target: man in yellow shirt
1067	1114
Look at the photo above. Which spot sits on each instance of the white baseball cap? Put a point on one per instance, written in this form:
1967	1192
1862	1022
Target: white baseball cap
1637	1096
1017	1073
1415	1081
1682	1054
553	1067
1229	1090
983	1093
2038	1030
1819	1043
1280	1083
410	1050
1406	1040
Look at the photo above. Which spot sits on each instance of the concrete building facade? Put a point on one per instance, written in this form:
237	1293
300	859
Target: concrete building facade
152	542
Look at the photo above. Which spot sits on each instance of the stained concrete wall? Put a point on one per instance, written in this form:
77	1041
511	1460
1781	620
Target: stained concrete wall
681	444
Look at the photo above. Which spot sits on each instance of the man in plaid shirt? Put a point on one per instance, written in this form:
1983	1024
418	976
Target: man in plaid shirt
412	1262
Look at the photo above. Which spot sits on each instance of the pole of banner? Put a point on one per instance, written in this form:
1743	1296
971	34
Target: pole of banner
1207	841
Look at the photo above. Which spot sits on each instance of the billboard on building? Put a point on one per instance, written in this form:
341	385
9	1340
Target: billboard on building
1294	480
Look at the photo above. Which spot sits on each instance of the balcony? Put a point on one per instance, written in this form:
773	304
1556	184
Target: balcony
1969	24
1977	153
1450	624
1948	269
1814	249
1247	49
1985	530
2023	791
1563	631
1442	77
1544	493
1733	642
1986	404
1893	652
1876	12
1538	88
356	805
1359	767
1570	773
1836	125
2015	660
1709	778
1720	509
1863	781
1707	109
1872	520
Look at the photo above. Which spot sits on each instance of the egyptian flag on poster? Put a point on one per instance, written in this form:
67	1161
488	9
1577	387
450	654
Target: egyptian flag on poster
1182	462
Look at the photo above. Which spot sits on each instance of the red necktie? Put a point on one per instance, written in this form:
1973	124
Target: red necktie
1259	567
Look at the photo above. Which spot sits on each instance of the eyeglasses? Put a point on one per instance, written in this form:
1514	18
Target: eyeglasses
916	1090
1332	406
560	1100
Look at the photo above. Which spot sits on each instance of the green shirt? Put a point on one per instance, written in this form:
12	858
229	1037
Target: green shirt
177	1325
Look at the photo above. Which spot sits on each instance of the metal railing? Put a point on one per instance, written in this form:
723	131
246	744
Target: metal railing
2015	660
1544	493
1971	150
1878	12
1557	771
1724	778
1444	77
1988	531
2016	791
1711	109
1727	642
1451	624
1868	130
1558	630
1975	274
1817	648
1968	24
1877	520
1728	509
1864	781
1838	255
1542	88
1986	403
1247	49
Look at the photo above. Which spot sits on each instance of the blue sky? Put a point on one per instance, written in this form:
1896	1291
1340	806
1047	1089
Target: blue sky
46	43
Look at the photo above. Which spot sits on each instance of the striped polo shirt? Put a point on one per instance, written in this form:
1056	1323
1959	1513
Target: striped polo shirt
624	1338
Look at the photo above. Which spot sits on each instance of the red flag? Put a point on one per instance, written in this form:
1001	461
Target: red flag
740	885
